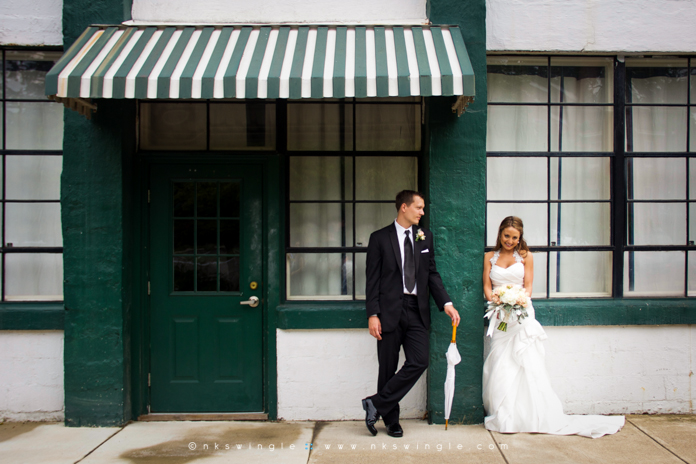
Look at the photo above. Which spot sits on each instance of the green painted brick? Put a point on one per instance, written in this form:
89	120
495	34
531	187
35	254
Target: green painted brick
457	199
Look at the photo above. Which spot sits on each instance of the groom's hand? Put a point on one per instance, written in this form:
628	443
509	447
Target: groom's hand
453	314
375	326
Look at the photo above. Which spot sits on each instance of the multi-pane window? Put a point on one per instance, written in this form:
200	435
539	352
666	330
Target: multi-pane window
604	217
660	258
550	140
32	143
347	160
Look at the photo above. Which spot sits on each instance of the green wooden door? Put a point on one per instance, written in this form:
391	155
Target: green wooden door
206	260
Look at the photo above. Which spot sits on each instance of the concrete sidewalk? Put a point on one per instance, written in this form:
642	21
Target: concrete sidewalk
644	439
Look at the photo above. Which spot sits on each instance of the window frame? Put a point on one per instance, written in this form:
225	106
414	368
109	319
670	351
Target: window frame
618	170
281	116
5	152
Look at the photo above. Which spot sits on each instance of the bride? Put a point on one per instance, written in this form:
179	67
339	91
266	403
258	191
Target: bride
517	394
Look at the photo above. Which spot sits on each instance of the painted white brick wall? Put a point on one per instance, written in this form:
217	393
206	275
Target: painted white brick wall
323	375
31	376
35	22
280	11
622	369
591	25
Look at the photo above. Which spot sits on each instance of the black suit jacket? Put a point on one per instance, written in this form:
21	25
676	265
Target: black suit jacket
385	287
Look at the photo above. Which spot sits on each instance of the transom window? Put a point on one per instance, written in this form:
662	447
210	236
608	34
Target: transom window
32	143
593	155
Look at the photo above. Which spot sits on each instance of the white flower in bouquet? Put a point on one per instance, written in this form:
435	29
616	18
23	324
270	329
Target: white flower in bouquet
507	299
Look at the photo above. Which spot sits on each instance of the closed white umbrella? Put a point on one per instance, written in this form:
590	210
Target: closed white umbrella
453	358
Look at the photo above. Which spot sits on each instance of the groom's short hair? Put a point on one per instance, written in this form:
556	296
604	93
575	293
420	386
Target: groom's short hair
406	196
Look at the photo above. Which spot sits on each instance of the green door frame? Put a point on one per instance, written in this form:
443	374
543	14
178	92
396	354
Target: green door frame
273	231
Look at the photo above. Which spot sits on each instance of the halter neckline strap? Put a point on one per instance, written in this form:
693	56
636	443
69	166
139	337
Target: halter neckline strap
496	255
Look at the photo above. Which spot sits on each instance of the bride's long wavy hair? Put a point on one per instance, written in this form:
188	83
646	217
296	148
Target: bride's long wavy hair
515	223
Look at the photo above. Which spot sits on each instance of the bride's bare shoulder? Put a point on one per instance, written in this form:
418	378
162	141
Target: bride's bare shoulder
487	257
526	256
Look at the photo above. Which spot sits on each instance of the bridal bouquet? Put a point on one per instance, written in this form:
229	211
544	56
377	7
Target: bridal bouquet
506	299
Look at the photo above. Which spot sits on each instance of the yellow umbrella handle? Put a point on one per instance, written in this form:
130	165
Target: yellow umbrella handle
454	333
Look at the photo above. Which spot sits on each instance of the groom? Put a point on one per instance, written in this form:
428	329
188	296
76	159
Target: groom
400	275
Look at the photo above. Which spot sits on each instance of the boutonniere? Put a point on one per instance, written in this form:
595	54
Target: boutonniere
420	235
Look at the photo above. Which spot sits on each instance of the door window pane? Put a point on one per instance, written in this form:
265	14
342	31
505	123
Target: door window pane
184	274
229	237
184	199
183	236
206	274
229	273
229	199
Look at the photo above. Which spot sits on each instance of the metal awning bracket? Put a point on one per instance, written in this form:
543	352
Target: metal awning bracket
82	106
461	104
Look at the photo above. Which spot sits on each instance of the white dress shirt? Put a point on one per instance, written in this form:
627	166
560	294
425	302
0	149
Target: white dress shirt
402	237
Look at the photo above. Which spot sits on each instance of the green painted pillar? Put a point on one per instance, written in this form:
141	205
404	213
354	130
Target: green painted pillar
457	201
95	261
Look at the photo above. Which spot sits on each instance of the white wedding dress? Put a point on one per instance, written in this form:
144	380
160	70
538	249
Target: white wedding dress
517	394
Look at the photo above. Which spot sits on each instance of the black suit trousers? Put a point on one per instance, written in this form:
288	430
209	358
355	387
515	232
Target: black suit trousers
392	386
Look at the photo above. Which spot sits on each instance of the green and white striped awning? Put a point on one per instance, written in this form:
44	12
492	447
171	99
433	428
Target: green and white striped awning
263	62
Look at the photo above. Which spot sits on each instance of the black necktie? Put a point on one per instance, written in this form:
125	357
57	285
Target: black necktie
409	264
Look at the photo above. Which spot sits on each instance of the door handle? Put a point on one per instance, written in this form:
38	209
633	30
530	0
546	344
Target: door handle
253	301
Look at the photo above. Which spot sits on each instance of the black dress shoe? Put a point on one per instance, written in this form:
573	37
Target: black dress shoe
371	415
395	430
